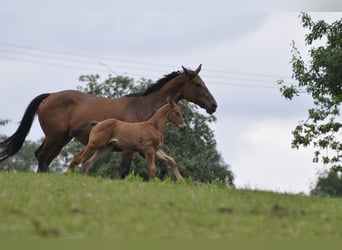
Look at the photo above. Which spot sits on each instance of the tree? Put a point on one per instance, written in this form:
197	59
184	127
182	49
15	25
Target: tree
321	78
24	160
329	183
193	149
3	122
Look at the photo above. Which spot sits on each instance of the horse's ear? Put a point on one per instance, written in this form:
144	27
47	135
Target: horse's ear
186	71
198	69
192	74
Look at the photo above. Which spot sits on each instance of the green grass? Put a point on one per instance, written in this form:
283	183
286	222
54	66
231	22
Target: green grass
72	206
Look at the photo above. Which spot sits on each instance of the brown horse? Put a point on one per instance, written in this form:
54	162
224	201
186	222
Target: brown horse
59	112
143	137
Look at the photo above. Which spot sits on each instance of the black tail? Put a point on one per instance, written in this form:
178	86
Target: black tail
74	132
13	144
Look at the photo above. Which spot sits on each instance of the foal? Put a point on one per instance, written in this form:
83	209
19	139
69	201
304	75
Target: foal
143	137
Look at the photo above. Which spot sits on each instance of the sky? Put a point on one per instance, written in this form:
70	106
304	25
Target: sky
244	46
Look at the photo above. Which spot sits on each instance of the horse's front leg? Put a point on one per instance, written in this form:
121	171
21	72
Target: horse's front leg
160	154
127	157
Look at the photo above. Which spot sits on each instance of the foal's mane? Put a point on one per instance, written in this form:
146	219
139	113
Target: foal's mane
154	112
158	85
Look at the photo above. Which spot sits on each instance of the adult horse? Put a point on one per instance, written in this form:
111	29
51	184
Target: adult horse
61	111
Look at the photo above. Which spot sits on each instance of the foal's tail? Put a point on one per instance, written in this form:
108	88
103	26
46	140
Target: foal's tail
74	132
13	144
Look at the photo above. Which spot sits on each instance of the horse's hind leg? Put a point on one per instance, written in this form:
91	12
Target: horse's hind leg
162	165
42	166
49	149
127	157
160	155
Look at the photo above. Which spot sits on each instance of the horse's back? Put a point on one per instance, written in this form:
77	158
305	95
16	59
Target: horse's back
62	100
74	108
68	109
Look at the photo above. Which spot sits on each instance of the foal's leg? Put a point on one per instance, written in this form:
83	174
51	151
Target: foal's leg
171	162
150	158
89	162
81	157
75	161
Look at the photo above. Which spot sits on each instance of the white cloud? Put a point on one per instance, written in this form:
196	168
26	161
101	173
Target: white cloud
254	125
261	156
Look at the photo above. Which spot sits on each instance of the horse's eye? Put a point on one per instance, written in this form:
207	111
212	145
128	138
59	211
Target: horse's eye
199	89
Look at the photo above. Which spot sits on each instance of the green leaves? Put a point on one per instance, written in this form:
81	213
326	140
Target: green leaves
24	160
321	78
3	122
329	184
113	87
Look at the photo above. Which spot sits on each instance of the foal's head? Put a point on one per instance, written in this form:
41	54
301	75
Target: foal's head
175	115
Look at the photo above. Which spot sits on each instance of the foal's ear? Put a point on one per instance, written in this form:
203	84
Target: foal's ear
170	101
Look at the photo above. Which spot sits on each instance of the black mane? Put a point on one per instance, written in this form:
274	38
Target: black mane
158	85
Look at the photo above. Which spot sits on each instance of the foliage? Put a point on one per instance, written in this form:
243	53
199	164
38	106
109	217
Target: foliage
328	184
24	160
321	78
112	87
3	122
56	206
194	149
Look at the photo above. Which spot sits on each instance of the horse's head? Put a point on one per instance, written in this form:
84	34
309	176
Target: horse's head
175	115
197	92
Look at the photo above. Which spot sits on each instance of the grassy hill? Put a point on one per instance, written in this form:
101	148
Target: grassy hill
72	206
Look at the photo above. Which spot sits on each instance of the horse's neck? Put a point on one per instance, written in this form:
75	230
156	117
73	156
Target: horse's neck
172	89
160	118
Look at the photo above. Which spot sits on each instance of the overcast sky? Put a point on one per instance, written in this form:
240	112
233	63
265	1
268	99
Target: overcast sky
244	51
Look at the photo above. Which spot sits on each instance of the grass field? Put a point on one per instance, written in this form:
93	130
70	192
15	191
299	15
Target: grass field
72	206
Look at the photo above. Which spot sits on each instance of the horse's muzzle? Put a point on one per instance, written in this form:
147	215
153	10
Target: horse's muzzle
212	108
